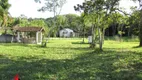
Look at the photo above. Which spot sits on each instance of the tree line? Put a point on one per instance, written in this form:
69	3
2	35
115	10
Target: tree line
119	24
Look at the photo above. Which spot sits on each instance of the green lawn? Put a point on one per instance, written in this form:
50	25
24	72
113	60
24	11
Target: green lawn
69	60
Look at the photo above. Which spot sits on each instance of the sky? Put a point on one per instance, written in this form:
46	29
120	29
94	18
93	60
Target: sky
29	8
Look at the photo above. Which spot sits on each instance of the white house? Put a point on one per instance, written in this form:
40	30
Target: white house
66	32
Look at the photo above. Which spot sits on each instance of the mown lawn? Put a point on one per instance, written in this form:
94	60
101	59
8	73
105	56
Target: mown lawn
69	60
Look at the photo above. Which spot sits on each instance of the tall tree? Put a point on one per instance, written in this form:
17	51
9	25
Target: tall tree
134	21
80	8
102	9
54	6
140	24
4	15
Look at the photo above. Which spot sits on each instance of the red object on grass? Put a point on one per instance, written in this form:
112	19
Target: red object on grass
16	77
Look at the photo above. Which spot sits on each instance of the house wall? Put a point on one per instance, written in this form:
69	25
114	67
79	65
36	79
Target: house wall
66	33
39	37
7	38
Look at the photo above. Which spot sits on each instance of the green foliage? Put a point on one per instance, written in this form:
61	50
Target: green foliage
54	6
71	21
4	6
97	13
24	22
140	24
134	21
61	21
39	23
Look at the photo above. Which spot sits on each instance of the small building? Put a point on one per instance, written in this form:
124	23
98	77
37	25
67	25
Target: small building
7	38
66	32
29	34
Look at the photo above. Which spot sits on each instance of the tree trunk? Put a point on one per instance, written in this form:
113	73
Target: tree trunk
114	33
93	44
5	32
100	39
129	31
140	32
83	34
103	35
121	33
140	36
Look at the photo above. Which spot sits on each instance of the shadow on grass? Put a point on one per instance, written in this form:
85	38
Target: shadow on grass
19	44
109	65
137	47
79	43
72	48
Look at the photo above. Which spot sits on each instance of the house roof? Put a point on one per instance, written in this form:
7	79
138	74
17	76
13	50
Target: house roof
67	29
5	28
28	29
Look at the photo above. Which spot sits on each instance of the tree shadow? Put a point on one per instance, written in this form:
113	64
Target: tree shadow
93	65
79	43
109	65
72	48
19	44
137	47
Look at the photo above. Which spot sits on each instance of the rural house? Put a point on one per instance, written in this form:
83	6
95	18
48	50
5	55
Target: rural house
29	34
66	32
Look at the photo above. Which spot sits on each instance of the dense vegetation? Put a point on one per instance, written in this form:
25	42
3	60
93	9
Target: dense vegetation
128	27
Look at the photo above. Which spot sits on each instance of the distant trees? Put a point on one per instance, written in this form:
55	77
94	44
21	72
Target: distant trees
71	21
54	6
134	21
61	22
4	15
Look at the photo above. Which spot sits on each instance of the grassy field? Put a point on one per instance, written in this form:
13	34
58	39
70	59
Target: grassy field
69	60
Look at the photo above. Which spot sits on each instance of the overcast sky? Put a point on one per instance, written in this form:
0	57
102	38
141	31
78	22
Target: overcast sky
29	8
